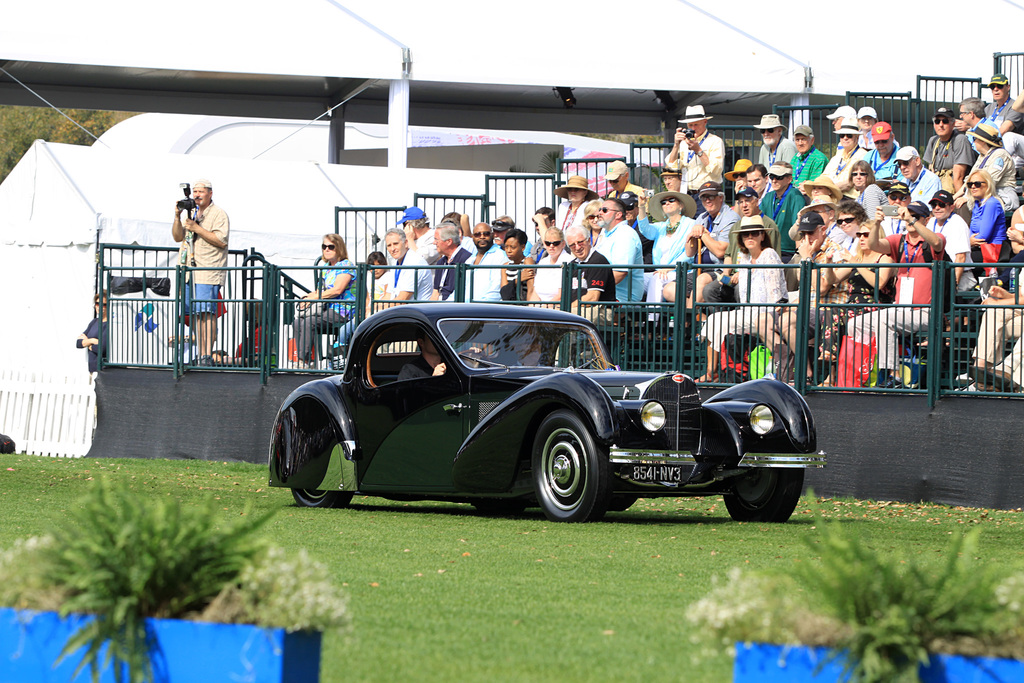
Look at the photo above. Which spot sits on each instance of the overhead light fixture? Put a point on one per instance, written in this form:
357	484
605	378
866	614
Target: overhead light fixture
665	99
565	94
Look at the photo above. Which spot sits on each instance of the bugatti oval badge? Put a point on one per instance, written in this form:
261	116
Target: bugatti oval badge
678	378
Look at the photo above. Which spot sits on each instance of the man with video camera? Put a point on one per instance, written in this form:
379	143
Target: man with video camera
204	244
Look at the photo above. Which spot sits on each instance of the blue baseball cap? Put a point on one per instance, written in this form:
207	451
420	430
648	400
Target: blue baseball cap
413	213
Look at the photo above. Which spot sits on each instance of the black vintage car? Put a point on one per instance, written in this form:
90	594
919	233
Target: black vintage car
529	411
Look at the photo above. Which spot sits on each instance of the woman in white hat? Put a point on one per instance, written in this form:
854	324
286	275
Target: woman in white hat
671	220
839	167
575	193
753	286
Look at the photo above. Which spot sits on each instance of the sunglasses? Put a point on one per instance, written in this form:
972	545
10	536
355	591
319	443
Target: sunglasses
977	183
863	234
846	135
898	197
940	121
859	173
996	86
552	244
903	163
846	221
482	234
670	200
604	210
328	247
772	176
753	233
936	205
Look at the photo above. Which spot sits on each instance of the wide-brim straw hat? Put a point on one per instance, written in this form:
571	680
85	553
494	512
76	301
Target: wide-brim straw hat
750	224
576	182
656	212
986	133
822	181
695	113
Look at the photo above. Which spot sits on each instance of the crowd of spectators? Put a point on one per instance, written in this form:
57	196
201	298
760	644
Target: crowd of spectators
865	213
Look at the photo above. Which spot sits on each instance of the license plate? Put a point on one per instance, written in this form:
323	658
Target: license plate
669	474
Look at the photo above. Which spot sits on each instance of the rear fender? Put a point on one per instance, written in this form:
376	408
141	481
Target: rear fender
312	445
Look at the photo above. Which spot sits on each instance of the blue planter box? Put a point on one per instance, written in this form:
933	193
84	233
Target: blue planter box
186	651
763	663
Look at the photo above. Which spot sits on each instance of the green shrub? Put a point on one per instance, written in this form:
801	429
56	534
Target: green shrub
884	612
129	557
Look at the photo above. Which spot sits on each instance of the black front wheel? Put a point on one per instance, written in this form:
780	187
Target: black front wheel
765	495
321	499
571	474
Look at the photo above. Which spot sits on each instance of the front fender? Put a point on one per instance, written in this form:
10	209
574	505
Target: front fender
790	410
311	423
488	458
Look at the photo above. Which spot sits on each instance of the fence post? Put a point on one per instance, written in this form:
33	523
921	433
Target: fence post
460	283
808	273
935	326
679	339
268	322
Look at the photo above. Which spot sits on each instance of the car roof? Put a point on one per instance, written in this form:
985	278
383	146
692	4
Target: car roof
430	313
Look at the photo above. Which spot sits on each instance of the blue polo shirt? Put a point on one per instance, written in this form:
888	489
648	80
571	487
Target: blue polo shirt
887	170
621	246
925	187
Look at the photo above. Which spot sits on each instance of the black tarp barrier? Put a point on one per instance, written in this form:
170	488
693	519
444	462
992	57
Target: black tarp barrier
202	416
962	452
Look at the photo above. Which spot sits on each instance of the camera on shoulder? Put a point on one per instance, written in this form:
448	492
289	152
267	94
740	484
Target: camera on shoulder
186	204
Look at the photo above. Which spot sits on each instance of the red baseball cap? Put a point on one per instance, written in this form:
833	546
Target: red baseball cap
881	131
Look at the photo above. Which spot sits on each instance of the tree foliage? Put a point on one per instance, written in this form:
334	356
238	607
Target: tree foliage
21	126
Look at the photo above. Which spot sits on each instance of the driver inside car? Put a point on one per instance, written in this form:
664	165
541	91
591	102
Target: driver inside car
427	364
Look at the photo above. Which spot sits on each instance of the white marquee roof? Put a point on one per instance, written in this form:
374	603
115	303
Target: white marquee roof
488	65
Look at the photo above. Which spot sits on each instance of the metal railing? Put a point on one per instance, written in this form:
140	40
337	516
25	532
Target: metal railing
264	329
363	228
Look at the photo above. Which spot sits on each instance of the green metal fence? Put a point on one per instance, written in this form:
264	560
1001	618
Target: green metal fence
363	228
258	320
1010	64
519	196
437	205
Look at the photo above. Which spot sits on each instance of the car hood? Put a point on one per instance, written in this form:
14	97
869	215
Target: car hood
619	385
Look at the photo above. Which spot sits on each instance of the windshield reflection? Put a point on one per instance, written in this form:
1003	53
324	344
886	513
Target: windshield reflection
524	343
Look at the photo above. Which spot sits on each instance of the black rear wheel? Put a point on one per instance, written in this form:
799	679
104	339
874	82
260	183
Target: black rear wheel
765	494
321	499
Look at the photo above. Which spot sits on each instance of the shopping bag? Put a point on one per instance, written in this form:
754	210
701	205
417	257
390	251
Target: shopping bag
856	361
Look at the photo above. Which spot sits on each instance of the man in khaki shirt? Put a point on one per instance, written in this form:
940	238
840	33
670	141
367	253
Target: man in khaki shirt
204	244
704	158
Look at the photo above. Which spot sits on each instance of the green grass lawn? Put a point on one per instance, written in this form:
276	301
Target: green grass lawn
439	592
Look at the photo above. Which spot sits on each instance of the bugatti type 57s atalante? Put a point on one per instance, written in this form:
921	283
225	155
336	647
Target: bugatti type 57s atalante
508	407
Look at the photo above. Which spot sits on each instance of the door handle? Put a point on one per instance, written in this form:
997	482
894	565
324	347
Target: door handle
454	408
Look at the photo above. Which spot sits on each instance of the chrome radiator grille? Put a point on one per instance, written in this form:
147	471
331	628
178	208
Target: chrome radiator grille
682	408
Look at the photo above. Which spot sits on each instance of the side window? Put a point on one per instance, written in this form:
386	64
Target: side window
396	355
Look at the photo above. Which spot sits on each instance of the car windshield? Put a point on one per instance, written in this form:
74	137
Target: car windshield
525	343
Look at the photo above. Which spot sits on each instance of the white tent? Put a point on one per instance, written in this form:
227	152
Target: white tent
466	64
61	200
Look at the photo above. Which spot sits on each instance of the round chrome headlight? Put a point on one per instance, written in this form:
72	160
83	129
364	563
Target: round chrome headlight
652	415
762	419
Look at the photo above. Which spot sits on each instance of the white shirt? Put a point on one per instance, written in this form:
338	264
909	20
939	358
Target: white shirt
426	248
406	279
958	240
